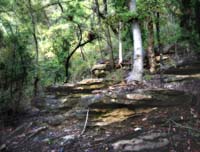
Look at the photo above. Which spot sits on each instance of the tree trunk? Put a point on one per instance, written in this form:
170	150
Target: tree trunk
150	51
186	17
108	36
68	58
36	79
197	16
120	44
110	47
67	66
159	48
137	71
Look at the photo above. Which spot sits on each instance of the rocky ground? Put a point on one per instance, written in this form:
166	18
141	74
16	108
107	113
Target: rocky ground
97	115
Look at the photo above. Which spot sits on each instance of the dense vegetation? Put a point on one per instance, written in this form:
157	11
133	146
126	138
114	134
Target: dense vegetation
44	42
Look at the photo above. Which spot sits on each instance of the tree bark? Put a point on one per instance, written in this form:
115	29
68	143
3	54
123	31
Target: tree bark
137	71
197	16
110	47
150	51
80	44
120	44
159	48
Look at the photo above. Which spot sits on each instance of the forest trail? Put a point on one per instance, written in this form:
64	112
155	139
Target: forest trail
117	116
141	59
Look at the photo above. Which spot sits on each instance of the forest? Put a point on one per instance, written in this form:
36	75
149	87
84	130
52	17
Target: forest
99	75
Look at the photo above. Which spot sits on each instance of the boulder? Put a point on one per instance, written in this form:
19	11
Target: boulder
55	120
83	87
100	70
151	142
140	98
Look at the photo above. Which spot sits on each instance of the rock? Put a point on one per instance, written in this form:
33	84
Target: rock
137	129
20	129
153	136
150	142
54	104
55	120
144	98
186	67
138	96
3	147
99	73
90	81
33	111
99	67
87	101
180	78
83	87
90	88
67	139
38	102
100	70
164	57
117	115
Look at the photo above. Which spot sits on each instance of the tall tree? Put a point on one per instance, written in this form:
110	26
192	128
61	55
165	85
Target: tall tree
33	23
137	71
197	16
120	44
150	49
102	16
159	47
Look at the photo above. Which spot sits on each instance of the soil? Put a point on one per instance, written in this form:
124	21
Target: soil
180	124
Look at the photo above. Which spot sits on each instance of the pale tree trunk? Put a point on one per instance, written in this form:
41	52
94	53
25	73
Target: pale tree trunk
120	44
150	51
137	71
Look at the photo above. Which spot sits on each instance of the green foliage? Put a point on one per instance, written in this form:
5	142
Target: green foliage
51	72
16	64
122	17
148	77
117	75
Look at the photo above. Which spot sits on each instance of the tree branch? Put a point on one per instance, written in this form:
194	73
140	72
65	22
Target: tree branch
55	3
67	61
79	45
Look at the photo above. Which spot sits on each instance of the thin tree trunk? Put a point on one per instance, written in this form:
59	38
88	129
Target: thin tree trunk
186	15
68	58
108	36
137	72
159	47
110	47
150	51
13	70
36	79
197	17
107	30
120	44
